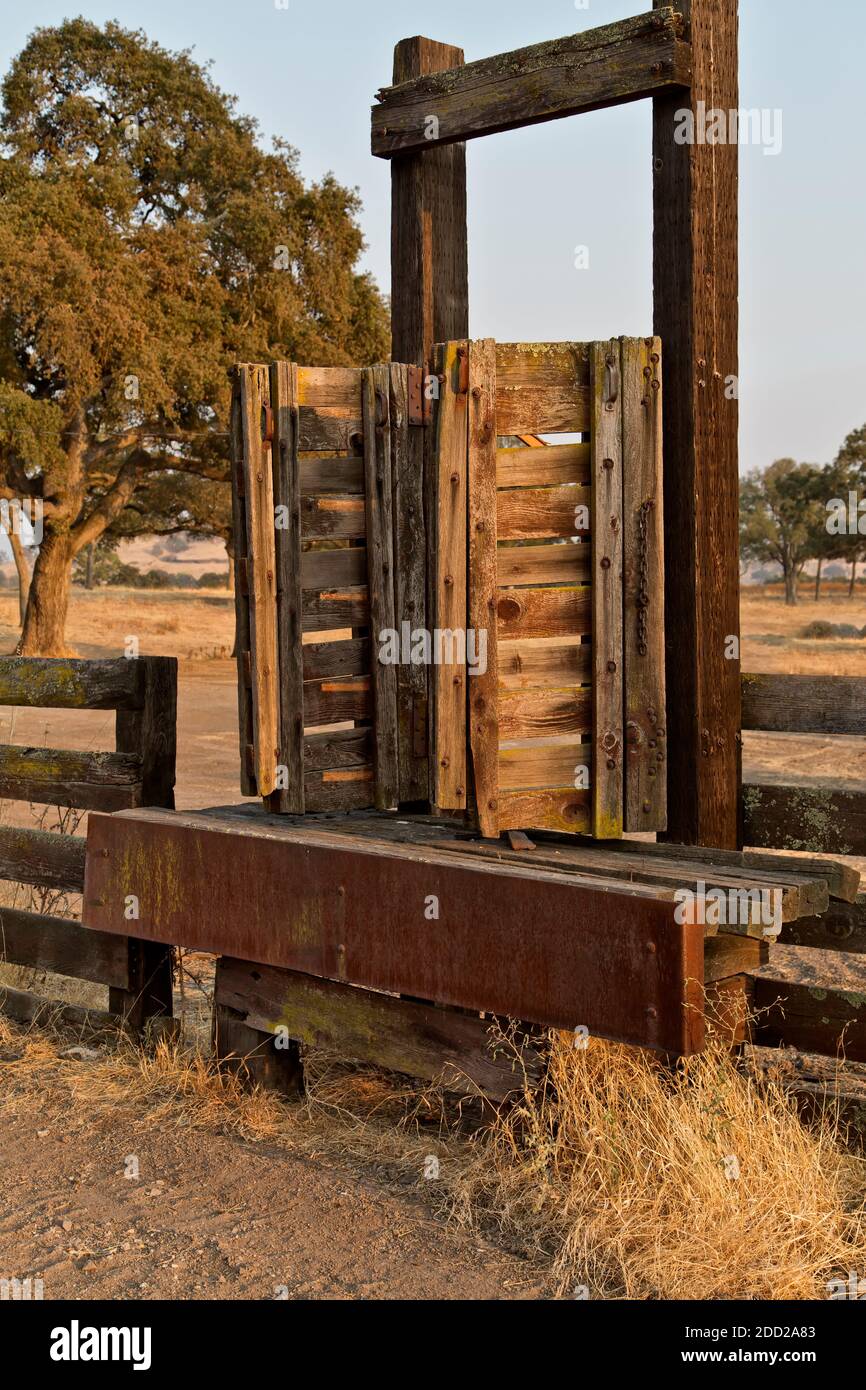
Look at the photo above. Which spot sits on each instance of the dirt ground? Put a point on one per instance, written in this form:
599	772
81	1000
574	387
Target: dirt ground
229	1218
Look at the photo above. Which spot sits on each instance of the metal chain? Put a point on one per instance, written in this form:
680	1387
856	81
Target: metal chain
643	597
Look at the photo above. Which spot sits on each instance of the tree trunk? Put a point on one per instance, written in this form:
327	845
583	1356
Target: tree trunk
22	570
44	631
88	579
791	595
853	578
818	581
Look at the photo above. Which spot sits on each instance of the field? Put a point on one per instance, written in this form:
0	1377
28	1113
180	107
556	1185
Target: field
342	1178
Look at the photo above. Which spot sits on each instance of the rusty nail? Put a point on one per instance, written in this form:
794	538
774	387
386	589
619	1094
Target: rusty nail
605	564
611	666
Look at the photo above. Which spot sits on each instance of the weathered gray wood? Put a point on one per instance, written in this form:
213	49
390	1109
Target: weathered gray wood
607	592
30	1008
150	734
252	1054
63	683
812	1019
147	998
726	956
805	704
483	716
376	401
242	600
603	67
289	797
41	858
338	748
261	575
327	660
841	928
410	581
64	947
696	315
817	820
60	777
455	1049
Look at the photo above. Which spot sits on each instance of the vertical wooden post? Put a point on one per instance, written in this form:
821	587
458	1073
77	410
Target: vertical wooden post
429	304
696	316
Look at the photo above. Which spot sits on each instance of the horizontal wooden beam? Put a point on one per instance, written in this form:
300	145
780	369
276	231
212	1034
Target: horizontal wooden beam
42	858
841	928
64	947
518	942
457	1050
62	777
66	684
816	820
607	66
805	704
810	1018
25	1007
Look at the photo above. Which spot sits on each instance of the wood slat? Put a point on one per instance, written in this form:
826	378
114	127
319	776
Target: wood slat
545	713
330	407
342	473
342	789
332	610
42	859
544	661
809	1018
326	660
841	928
287	500
64	947
28	1008
527	613
543	467
337	700
334	569
410	588
542	388
558	809
331	517
817	820
456	1050
241	595
484	731
450	465
535	766
842	880
64	683
644	577
805	704
376	398
607	592
261	573
543	564
60	777
338	748
608	65
543	513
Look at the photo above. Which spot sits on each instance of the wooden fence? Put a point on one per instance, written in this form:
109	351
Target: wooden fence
140	772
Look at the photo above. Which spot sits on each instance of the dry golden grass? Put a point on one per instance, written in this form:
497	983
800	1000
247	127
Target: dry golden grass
616	1178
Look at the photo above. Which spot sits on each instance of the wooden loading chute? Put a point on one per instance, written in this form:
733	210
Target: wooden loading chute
523	604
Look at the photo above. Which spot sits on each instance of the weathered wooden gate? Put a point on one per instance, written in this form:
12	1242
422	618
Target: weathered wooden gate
516	593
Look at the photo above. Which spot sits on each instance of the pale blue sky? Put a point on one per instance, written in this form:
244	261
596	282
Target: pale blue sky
309	72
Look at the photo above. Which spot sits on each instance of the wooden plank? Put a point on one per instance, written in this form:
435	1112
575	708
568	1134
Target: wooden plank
543	661
63	683
252	1056
376	396
542	513
242	602
456	1050
542	388
342	473
543	467
338	748
450	463
337	700
805	704
330	517
334	569
841	928
527	613
816	820
545	713
64	947
536	766
607	591
602	67
696	313
410	597
326	660
484	729
41	858
289	798
261	572
543	564
643	601
332	610
559	809
810	1018
508	940
59	777
429	253
29	1008
150	734
340	789
725	956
